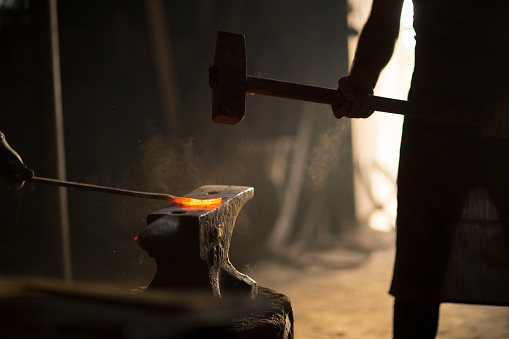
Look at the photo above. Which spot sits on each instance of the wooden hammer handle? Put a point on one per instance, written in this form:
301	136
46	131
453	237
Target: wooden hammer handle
290	90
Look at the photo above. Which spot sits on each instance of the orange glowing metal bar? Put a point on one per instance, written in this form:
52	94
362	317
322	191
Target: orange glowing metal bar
198	203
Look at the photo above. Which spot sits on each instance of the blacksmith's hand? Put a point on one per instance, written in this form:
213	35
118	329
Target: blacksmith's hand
358	103
498	127
13	172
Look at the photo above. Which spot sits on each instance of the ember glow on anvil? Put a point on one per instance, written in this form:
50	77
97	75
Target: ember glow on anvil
197	203
194	203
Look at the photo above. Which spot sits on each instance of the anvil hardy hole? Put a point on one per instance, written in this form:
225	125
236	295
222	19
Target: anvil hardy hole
213	192
178	212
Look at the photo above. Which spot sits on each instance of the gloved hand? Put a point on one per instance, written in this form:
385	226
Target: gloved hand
13	172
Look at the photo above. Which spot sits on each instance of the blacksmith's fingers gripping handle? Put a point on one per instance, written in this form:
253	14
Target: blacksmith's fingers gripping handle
230	83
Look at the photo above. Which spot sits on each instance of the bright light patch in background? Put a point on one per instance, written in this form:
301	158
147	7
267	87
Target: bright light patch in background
408	37
380	220
407	15
407	28
376	140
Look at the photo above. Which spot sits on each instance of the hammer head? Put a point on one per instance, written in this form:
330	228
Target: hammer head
227	78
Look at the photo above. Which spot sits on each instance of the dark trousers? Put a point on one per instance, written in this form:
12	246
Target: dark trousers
415	320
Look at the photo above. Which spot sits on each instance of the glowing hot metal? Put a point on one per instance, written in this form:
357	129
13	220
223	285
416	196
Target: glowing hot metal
197	203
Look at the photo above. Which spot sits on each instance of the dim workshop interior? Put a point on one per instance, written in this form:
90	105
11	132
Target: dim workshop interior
181	192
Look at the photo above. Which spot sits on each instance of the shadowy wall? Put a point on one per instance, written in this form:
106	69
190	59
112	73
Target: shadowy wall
119	132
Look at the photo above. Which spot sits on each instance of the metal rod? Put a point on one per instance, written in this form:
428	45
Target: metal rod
104	189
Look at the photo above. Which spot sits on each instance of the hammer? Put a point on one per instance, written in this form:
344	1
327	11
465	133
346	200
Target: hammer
229	82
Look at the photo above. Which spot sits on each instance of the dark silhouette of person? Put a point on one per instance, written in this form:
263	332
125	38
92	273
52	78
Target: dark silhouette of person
450	176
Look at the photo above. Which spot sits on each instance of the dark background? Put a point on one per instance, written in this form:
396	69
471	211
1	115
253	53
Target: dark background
123	129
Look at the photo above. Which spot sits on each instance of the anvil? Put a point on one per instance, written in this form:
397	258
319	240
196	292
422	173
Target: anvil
190	245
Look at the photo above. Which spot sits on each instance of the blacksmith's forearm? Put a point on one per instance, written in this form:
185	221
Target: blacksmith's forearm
377	41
